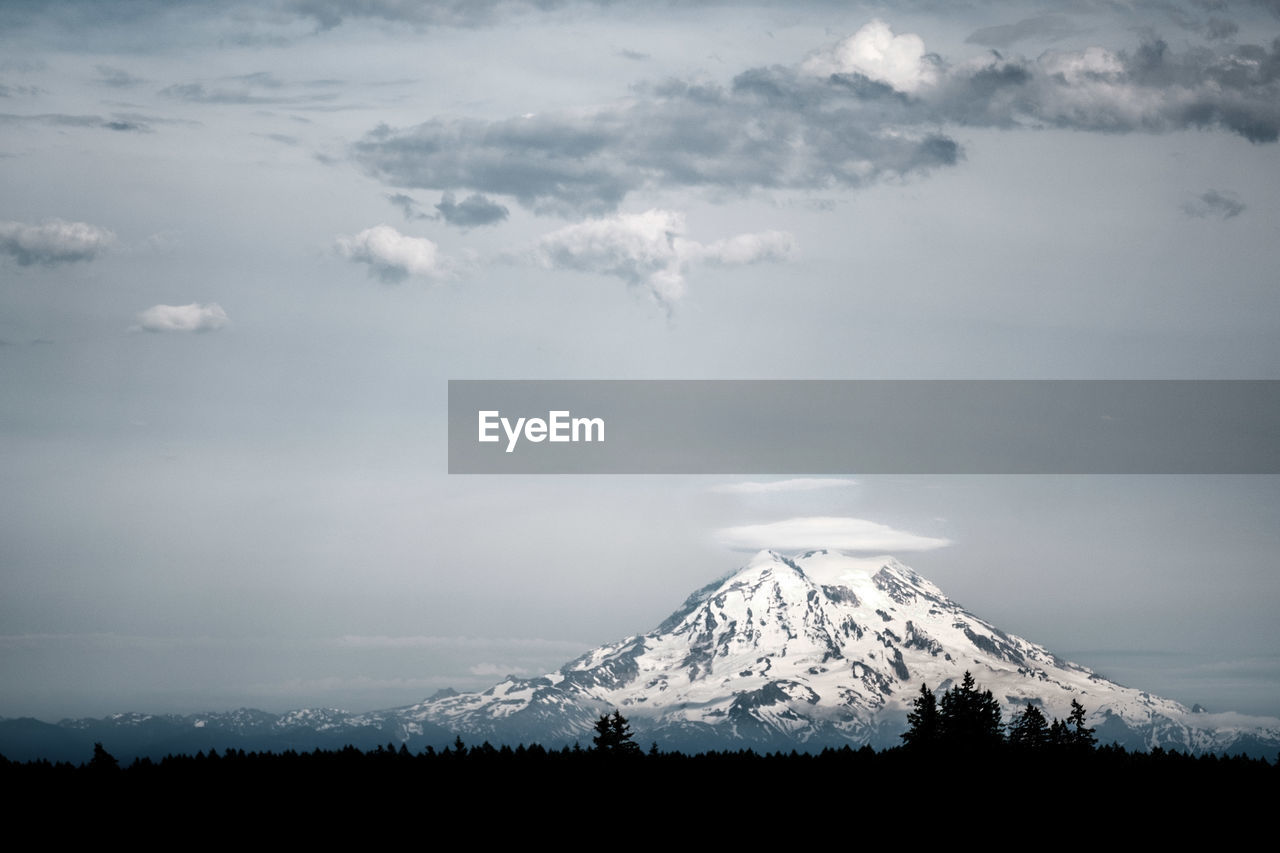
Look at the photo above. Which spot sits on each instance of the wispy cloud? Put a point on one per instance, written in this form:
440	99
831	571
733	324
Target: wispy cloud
117	123
839	534
117	78
1044	27
798	484
1215	203
498	669
429	641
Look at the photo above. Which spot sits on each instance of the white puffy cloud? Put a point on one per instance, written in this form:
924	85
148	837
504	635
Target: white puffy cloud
835	533
55	241
650	250
195	317
875	52
796	484
393	256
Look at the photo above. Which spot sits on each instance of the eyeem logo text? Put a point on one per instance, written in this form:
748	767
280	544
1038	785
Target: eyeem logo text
558	426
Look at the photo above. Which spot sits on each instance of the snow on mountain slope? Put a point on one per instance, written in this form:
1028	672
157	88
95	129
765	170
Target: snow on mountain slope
820	649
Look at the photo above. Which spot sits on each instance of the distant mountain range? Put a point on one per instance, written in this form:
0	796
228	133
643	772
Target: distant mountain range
821	649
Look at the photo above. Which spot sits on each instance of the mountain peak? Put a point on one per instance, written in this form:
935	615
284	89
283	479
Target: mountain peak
821	648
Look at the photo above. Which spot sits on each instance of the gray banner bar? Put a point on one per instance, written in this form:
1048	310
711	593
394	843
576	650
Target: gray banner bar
864	427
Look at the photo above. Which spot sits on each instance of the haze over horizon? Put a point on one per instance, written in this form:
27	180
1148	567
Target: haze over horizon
244	246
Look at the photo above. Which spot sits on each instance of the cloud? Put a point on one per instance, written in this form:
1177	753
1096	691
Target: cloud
514	645
1047	27
53	242
119	122
117	78
863	111
1221	28
742	249
498	669
393	256
1149	90
1215	203
247	90
473	210
195	317
408	206
766	131
450	13
877	54
798	484
649	250
838	534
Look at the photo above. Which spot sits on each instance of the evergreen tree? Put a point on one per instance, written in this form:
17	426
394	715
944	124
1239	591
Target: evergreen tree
923	720
968	719
1029	729
1081	736
603	740
103	761
614	736
1059	734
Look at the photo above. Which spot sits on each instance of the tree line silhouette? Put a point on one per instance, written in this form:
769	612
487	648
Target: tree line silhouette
965	720
969	719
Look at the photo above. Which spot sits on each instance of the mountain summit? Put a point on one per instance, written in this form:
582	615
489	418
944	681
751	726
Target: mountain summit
821	649
815	650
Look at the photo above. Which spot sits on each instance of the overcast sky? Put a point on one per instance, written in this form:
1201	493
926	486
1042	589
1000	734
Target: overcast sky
243	247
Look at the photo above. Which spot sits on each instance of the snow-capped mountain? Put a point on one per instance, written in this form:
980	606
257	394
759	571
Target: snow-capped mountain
817	650
820	649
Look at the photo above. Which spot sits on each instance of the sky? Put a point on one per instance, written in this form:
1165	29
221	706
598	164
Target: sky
244	247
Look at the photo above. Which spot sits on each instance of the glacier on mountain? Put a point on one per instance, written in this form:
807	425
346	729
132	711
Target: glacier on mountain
820	649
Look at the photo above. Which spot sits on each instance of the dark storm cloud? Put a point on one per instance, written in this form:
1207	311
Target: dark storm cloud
1272	6
843	119
1215	203
1221	28
748	136
473	210
1045	27
1150	89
